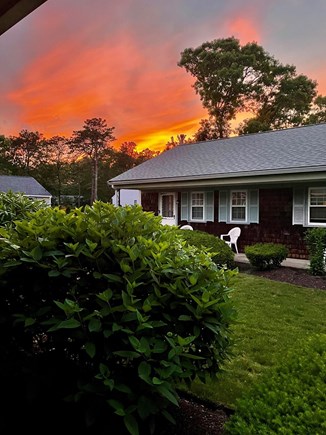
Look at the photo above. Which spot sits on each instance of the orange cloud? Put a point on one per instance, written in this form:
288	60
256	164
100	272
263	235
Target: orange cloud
116	81
158	138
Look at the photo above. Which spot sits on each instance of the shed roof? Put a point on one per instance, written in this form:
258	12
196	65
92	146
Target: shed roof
300	149
25	185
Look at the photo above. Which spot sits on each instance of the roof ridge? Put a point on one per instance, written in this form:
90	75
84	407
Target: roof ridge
253	134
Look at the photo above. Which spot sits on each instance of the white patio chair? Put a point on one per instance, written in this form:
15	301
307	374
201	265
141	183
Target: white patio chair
233	235
186	227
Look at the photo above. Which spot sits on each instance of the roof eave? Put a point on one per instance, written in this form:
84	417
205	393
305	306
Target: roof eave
13	11
257	177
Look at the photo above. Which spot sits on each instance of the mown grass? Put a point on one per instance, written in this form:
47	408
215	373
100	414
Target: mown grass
273	317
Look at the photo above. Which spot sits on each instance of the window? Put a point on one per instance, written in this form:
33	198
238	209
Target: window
197	206
317	206
167	205
238	206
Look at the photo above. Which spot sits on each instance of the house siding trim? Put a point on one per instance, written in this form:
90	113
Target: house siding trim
216	181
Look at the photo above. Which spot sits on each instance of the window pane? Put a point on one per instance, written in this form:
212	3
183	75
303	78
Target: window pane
318	197
167	206
197	213
238	213
197	199
318	214
239	198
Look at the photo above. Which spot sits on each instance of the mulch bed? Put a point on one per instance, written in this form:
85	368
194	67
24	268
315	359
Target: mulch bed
291	275
197	417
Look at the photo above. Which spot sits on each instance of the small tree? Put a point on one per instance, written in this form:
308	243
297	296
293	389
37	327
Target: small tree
316	244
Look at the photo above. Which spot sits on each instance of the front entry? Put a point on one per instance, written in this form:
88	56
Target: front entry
168	208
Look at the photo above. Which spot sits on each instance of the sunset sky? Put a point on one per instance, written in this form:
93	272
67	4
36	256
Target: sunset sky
117	59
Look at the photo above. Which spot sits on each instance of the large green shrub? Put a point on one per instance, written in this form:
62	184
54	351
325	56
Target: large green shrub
316	244
290	399
264	256
222	253
110	309
16	206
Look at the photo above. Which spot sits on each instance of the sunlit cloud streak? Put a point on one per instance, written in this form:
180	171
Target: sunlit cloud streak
69	61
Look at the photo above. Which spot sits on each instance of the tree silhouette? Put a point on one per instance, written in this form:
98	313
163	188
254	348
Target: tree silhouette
93	142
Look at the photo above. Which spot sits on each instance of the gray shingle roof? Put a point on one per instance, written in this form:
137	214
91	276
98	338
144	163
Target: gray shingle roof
25	185
288	150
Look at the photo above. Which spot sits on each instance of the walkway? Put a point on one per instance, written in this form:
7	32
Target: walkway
288	262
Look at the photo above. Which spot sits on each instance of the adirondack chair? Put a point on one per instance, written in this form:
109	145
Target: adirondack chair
233	236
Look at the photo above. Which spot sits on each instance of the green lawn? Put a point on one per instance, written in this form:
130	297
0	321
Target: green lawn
272	318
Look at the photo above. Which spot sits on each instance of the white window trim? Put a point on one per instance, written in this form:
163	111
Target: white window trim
204	207
314	224
245	221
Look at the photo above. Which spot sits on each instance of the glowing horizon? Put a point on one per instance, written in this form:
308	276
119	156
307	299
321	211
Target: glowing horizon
119	62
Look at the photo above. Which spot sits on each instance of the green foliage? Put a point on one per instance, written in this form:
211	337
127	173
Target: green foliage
317	113
316	244
26	151
16	206
288	400
272	316
116	306
266	255
232	78
222	255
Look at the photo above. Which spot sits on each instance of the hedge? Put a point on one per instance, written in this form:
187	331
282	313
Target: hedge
222	253
266	255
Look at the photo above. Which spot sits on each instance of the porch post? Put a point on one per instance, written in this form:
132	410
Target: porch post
117	197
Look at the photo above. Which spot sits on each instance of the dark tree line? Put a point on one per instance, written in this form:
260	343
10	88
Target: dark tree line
74	169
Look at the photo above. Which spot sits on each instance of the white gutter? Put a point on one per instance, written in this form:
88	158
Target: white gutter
229	180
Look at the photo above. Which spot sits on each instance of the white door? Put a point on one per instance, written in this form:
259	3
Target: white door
168	208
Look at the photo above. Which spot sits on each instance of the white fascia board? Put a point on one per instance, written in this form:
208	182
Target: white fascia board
225	181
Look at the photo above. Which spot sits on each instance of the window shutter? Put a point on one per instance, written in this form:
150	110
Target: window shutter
298	206
223	206
209	206
253	206
184	206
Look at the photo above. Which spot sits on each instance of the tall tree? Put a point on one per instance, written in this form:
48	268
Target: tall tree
207	130
127	156
93	142
317	112
231	78
6	167
53	173
285	102
26	151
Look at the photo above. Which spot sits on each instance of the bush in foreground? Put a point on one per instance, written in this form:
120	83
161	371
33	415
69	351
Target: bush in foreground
222	253
109	309
290	399
16	206
264	256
